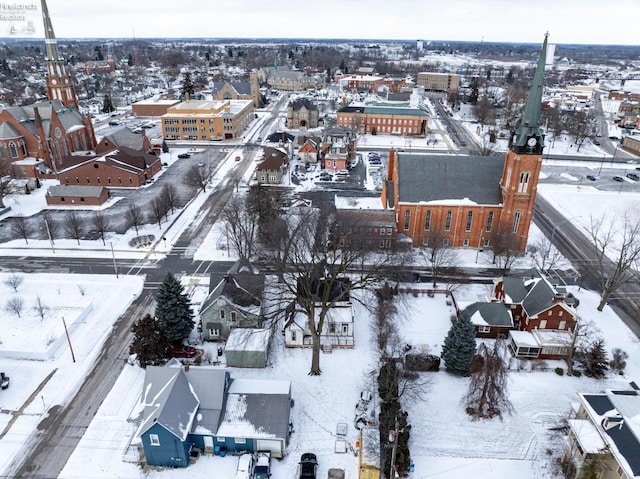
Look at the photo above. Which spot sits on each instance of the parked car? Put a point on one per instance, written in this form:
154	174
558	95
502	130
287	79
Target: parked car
259	139
308	466
374	154
238	158
262	469
4	381
618	178
246	465
114	123
184	155
183	351
591	178
633	176
596	142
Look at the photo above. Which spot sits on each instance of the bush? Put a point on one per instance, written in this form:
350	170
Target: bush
577	373
422	362
559	371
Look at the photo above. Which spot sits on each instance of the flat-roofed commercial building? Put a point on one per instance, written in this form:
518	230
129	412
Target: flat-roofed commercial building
438	81
207	119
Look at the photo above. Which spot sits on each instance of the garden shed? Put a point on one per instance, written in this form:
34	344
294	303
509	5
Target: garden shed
248	348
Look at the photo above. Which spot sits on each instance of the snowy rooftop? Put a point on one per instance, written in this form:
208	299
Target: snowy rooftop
358	203
242	339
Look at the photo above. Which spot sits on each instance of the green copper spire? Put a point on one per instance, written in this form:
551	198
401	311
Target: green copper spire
529	126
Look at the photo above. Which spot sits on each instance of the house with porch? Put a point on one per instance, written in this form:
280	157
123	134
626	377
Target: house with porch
337	330
273	169
184	412
234	301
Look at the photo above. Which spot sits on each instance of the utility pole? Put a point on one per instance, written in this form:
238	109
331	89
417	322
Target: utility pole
113	255
66	331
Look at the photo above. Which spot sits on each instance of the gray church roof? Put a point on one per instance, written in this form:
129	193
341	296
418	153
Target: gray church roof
437	178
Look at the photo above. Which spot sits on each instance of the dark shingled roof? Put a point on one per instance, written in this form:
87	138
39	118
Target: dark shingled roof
243	286
432	178
302	102
494	314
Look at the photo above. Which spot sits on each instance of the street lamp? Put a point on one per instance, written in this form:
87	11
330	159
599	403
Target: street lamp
555	225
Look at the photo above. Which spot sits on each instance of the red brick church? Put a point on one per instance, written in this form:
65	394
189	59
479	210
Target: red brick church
471	201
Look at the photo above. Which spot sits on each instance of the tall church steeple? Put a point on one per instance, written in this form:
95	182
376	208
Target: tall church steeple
59	84
528	137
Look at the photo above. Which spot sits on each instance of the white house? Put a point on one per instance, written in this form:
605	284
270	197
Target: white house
337	330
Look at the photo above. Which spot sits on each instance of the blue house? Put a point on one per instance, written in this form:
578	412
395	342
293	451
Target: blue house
184	411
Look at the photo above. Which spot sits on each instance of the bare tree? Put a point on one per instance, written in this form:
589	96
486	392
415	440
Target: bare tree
169	195
503	249
319	276
617	253
21	227
51	225
437	255
134	216
547	255
14	305
101	224
487	394
240	224
197	177
14	281
158	211
40	308
74	226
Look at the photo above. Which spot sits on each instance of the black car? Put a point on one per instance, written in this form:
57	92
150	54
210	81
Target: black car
633	176
618	178
591	178
308	466
184	155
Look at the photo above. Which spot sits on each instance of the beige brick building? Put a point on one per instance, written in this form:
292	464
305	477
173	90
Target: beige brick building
438	81
207	119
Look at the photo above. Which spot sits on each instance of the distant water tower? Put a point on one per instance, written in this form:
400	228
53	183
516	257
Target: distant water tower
420	45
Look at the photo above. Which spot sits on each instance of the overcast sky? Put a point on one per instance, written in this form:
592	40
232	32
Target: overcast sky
568	21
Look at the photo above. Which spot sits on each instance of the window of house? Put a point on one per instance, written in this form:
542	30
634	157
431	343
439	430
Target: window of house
484	329
332	328
88	181
562	325
549	313
489	220
516	221
62	198
294	336
447	223
234	317
469	221
524	183
119	180
214	332
445	242
222	314
221	439
427	220
543	324
239	440
13	149
407	219
82	199
345	329
465	242
486	243
77	180
154	439
109	180
560	313
425	241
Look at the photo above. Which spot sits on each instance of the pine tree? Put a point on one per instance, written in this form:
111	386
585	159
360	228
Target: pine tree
187	86
150	342
165	146
107	105
459	347
594	360
173	310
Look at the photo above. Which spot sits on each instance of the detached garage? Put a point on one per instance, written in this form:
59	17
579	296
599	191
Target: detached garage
248	348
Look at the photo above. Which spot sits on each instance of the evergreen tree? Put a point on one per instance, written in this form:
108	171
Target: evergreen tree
107	105
165	146
459	347
173	310
150	342
187	86
130	60
594	360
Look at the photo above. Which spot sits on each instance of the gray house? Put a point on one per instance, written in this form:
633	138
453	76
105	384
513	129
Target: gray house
234	301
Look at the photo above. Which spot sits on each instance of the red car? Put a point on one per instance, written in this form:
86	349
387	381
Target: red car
182	351
238	158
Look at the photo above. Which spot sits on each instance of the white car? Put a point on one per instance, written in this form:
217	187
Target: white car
246	465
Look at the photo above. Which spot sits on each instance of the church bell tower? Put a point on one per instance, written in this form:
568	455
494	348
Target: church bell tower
522	165
59	84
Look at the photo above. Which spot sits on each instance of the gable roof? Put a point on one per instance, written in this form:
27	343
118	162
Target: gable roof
168	400
534	291
274	159
243	286
488	314
302	103
280	137
75	190
431	178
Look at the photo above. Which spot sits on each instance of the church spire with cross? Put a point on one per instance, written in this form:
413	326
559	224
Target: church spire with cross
59	83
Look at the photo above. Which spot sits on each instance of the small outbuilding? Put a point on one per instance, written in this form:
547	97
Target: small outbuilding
248	348
76	195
